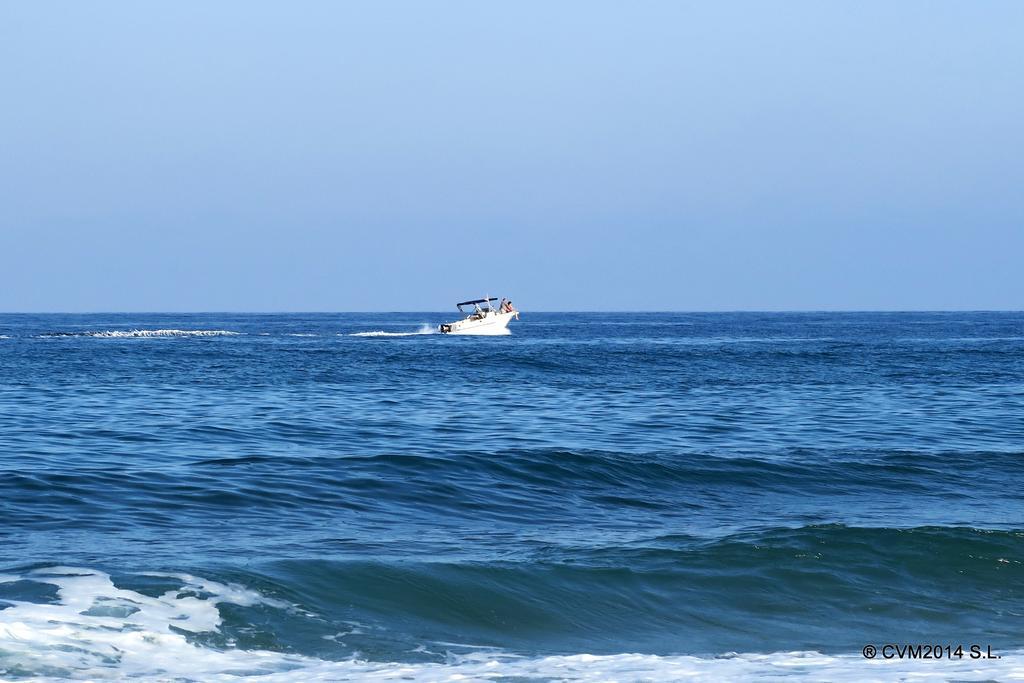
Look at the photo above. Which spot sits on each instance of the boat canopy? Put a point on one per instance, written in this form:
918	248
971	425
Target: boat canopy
475	301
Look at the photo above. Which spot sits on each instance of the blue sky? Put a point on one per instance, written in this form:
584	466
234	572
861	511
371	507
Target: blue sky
573	155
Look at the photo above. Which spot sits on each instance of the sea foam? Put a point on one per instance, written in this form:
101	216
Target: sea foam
98	631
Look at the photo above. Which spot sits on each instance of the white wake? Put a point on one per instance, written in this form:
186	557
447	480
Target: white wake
423	329
142	334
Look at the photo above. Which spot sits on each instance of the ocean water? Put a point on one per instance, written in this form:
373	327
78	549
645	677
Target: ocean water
225	497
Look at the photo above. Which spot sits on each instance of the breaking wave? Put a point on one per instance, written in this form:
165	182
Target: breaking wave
171	629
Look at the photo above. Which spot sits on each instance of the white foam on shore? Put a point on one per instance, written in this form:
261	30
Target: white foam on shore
799	666
96	631
99	631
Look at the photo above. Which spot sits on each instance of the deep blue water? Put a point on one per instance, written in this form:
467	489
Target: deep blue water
677	485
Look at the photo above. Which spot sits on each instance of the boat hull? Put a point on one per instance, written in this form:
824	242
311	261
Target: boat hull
492	325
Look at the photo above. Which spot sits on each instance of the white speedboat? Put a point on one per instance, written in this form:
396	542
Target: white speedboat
484	318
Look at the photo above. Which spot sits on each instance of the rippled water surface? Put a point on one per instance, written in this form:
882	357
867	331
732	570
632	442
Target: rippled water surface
596	497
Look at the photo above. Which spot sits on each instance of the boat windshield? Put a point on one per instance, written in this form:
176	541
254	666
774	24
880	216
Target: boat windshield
478	305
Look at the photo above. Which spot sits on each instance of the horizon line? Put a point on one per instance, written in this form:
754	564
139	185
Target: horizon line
536	310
